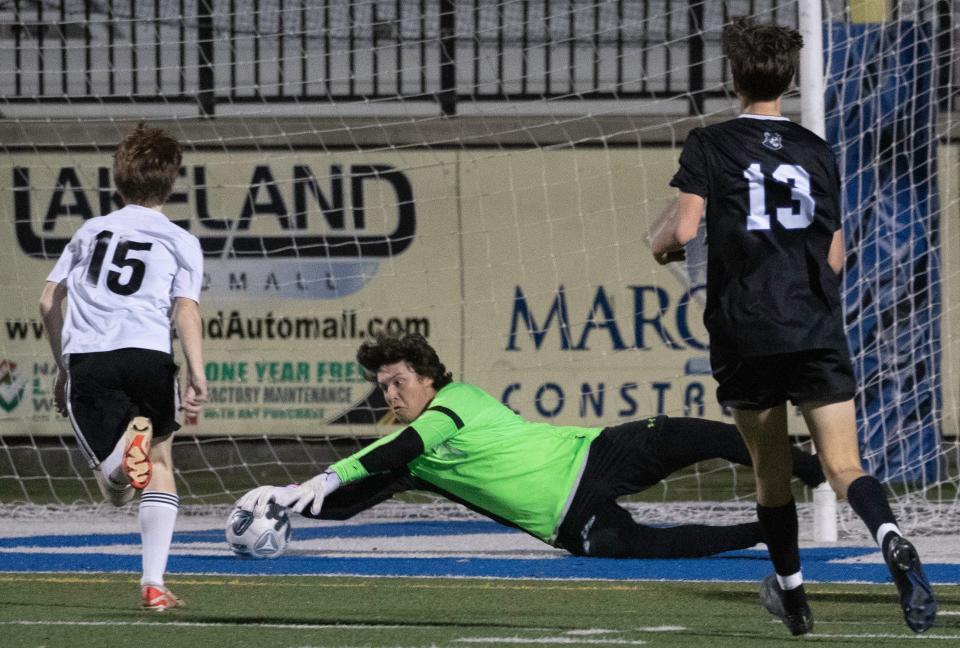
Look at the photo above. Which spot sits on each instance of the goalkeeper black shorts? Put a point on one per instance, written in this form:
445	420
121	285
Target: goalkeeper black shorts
624	459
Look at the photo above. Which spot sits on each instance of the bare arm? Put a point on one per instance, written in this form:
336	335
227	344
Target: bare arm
186	317
836	256
51	310
678	226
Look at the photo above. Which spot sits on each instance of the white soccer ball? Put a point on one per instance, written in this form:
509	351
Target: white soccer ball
266	536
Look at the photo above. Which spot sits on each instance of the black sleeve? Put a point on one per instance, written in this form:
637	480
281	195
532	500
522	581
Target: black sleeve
835	206
358	496
394	455
691	178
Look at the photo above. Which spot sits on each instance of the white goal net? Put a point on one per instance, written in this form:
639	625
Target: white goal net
484	173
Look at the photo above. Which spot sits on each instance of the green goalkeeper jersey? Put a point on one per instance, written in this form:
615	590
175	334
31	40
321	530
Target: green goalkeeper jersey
483	453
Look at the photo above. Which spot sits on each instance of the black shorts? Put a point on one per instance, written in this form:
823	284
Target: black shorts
105	390
623	460
762	382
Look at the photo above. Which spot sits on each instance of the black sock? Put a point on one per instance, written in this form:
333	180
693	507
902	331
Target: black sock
869	500
780	528
794	599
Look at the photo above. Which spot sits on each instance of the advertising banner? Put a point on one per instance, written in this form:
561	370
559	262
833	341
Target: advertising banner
527	269
305	257
570	319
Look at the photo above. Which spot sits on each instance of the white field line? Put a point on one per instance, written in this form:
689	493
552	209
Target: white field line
898	637
551	640
598	631
660	629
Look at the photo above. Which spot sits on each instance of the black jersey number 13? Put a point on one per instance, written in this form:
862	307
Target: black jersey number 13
797	215
120	259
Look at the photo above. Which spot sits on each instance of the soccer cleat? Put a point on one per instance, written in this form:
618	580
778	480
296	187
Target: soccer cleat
916	596
136	455
799	621
117	494
807	468
158	598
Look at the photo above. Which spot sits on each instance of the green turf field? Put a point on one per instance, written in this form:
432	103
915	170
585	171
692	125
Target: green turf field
97	611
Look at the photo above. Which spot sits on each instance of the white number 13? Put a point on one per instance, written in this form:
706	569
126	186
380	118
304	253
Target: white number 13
799	181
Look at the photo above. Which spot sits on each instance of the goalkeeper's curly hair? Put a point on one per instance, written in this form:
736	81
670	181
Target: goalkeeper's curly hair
411	348
764	58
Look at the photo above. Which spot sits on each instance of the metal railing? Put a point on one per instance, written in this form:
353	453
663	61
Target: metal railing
216	52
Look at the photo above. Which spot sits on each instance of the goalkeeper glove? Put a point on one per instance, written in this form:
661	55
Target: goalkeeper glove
310	493
257	500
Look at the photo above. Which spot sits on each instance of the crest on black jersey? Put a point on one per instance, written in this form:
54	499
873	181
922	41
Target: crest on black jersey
772	141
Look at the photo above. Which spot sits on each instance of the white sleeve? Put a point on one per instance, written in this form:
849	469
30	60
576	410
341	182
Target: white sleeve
188	282
68	259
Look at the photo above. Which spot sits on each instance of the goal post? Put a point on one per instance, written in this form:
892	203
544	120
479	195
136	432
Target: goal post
812	111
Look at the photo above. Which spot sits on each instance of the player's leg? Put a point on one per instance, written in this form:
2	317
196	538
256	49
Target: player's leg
833	427
154	392
128	466
765	434
755	388
678	442
98	408
112	482
159	506
613	533
619	462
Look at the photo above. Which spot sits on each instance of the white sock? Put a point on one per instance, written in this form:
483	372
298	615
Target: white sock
110	467
793	581
884	529
158	516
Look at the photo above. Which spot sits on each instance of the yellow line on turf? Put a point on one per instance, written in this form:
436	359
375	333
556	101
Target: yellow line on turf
64	579
223	624
406	583
364	583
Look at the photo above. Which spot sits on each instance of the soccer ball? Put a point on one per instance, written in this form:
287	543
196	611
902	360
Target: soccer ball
266	536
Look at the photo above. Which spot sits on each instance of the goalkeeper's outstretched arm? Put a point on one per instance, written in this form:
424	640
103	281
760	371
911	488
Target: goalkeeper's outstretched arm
387	457
350	499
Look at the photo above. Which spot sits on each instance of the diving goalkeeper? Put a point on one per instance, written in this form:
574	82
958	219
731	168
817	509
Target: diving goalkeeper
559	484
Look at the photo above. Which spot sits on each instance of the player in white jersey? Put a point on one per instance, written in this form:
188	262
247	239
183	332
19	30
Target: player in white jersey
129	274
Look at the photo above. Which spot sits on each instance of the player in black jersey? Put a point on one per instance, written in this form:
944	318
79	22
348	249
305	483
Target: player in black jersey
775	253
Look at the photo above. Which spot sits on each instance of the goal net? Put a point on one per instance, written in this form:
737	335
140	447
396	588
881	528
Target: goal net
484	173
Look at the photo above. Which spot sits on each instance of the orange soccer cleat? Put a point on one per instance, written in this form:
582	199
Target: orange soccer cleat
158	598
136	455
